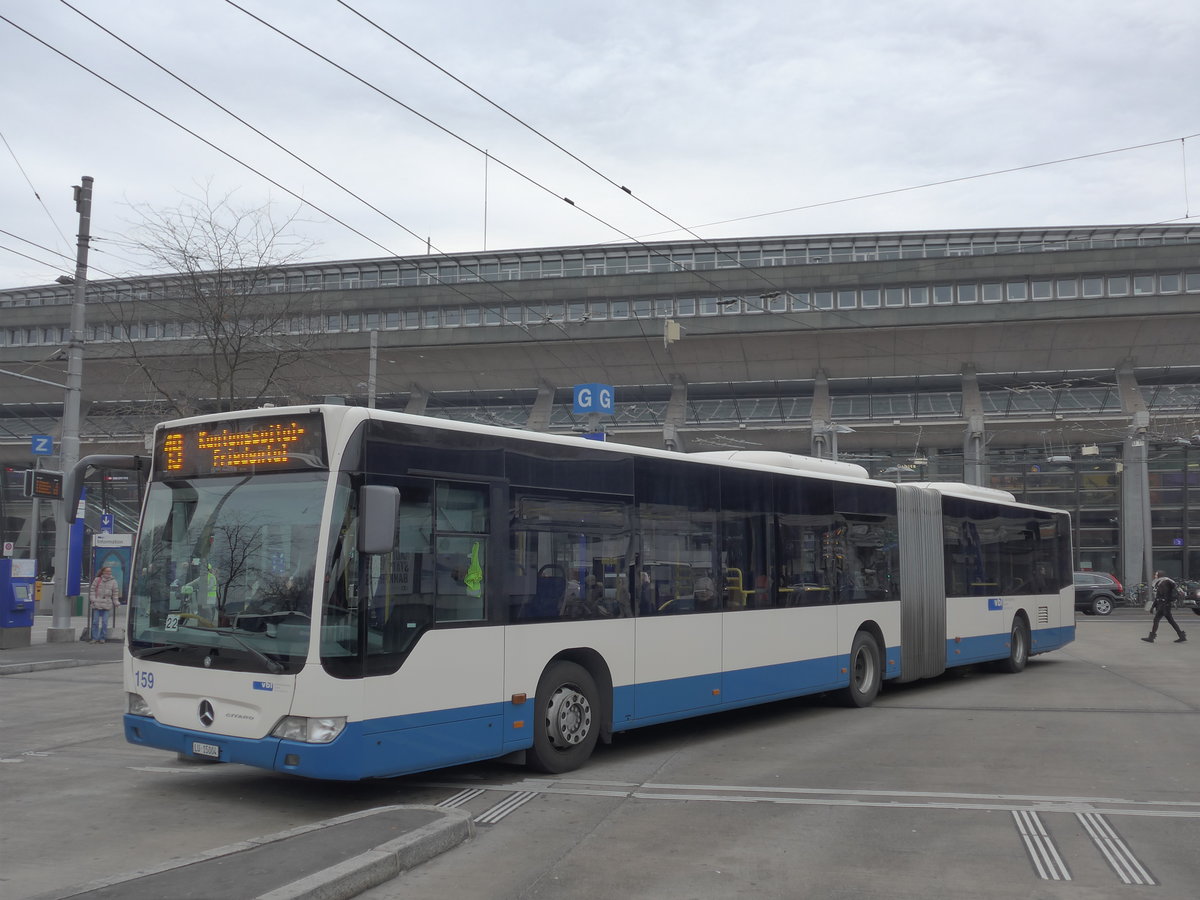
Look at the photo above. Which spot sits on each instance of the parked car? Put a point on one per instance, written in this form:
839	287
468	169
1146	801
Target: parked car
1096	593
1190	591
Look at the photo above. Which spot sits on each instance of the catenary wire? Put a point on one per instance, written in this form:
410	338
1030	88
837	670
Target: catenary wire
247	124
32	188
649	248
753	272
262	175
198	137
932	184
297	158
832	313
689	230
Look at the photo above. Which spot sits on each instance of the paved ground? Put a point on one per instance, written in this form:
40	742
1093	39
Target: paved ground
333	859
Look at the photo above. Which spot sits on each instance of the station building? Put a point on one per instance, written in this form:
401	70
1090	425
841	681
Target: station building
1060	364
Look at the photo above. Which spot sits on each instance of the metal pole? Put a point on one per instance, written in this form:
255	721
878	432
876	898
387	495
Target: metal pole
35	515
60	629
374	368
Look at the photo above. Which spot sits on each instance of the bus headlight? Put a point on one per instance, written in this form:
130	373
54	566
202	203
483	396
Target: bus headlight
136	705
309	730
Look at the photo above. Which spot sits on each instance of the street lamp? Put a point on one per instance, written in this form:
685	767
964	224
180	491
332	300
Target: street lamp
833	430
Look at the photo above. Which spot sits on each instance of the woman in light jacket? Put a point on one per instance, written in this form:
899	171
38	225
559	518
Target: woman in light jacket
103	596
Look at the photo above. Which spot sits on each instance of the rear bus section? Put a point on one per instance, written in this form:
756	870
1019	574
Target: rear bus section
985	579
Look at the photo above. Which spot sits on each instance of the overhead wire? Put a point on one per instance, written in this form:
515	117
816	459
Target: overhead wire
197	136
40	201
36	244
290	153
720	288
940	183
698	275
28	257
690	230
243	121
267	178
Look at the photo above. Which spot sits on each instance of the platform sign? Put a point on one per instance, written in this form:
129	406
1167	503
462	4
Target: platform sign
44	484
41	445
594	398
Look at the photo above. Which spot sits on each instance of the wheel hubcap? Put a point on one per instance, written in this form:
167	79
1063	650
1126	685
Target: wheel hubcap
864	670
568	717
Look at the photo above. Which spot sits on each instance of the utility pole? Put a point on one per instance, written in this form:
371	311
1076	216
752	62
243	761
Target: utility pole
374	368
60	630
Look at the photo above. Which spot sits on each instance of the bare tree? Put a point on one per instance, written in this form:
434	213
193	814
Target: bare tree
233	329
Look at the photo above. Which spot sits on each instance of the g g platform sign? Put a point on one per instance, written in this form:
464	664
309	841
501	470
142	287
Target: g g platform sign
594	398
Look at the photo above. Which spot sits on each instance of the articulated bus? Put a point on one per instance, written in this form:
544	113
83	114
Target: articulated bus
343	593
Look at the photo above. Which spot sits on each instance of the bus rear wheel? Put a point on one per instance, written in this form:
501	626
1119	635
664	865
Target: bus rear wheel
866	671
567	722
1018	648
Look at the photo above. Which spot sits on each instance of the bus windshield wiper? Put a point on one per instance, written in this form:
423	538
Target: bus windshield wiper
154	651
274	666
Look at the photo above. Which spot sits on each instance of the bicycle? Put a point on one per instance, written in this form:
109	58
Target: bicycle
1138	595
1185	596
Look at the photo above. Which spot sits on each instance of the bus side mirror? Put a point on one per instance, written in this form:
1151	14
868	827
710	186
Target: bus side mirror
378	509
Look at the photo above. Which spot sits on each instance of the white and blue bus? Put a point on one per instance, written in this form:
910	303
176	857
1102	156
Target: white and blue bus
344	593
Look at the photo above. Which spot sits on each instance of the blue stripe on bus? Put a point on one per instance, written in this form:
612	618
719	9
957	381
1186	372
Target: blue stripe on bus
400	745
963	651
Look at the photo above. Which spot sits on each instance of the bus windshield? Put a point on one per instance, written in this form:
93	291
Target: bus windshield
225	571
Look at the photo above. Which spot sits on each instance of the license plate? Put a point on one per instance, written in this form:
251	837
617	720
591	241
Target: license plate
212	751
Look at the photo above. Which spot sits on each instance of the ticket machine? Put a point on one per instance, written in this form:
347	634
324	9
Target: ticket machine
16	603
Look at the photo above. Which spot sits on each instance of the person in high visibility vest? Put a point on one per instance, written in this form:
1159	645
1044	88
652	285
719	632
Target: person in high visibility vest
206	605
474	578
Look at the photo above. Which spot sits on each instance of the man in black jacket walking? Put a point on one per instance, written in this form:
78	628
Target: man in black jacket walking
1164	593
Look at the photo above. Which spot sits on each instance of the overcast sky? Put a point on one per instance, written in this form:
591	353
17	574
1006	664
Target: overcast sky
747	118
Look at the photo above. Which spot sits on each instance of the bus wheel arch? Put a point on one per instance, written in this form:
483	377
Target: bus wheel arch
865	667
573	711
1019	645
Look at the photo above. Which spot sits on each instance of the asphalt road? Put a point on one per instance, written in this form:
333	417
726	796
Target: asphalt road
1076	779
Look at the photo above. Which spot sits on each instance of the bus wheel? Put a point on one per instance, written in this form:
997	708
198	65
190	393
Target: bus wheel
1018	648
866	671
567	719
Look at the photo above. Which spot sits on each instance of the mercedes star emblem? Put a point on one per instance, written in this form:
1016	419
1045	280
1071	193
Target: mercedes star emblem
206	713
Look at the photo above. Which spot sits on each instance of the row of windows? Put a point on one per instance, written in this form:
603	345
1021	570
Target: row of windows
860	407
635	260
798	301
684	542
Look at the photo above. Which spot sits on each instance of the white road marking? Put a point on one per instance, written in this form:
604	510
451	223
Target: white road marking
1040	845
460	798
1026	810
1114	850
504	807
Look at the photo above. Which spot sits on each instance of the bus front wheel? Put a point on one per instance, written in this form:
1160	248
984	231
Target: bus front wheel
567	722
866	671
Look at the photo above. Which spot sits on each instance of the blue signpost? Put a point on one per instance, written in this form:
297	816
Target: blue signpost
41	445
594	400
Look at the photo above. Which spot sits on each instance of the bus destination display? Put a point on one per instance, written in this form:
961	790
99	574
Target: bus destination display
241	445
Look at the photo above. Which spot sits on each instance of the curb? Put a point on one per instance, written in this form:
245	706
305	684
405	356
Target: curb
339	881
385	862
43	664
